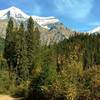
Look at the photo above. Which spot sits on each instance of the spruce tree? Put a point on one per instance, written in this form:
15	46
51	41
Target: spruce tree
9	50
22	71
30	43
37	47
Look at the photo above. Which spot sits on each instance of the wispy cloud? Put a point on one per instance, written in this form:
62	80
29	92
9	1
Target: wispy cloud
77	14
76	9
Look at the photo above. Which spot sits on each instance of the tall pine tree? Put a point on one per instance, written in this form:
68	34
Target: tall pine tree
9	50
22	71
30	43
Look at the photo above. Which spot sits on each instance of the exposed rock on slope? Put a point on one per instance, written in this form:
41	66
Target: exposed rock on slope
51	29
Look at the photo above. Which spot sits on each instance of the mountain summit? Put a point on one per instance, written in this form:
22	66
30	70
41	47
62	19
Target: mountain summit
13	12
18	14
51	29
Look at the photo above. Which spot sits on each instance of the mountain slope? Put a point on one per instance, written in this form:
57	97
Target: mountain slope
18	14
95	30
14	12
52	30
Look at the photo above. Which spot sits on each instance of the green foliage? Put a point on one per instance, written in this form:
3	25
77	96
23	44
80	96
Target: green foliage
9	50
69	70
5	82
90	83
22	69
30	42
3	63
33	45
69	66
48	74
1	45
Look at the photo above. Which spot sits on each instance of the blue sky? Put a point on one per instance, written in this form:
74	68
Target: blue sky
80	15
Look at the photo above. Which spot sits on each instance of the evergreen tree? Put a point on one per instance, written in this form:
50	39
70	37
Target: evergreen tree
9	50
33	44
41	84
30	43
21	52
37	47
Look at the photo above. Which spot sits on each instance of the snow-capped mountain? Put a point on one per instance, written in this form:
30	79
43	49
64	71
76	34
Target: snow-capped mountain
95	30
45	21
51	29
18	14
14	12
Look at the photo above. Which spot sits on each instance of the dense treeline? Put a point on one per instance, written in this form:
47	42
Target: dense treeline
69	70
72	70
88	44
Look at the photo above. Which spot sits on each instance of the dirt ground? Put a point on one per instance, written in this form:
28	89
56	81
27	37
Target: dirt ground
7	97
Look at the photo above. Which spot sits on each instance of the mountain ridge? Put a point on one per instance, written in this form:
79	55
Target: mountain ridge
95	30
18	14
52	29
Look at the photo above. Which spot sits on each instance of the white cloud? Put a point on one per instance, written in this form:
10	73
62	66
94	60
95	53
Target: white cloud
76	9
